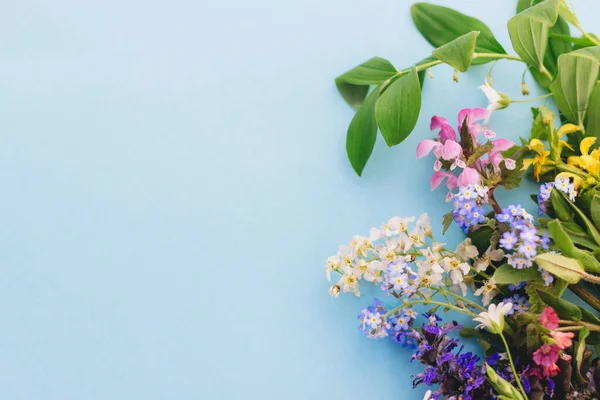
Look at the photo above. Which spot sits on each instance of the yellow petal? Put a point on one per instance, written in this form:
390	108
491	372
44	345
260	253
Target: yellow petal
588	163
537	146
595	154
565	144
536	171
585	145
566	129
573	160
526	163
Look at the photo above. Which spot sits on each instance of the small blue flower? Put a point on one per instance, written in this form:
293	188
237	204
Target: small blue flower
509	240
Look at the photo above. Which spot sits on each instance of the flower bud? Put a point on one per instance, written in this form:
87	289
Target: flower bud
524	89
455	76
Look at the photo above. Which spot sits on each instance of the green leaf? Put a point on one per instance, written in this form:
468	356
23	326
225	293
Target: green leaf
448	218
564	243
440	25
589	226
583	334
538	129
459	52
479	152
560	286
529	31
560	206
397	109
563	267
505	274
575	81
354	84
563	308
362	133
593	119
595	210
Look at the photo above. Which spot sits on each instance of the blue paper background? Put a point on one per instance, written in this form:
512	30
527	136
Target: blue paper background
173	178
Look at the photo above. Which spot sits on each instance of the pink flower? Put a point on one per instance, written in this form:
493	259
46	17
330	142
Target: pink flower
495	155
426	146
438	177
548	318
546	355
551	371
563	339
446	131
472	115
469	176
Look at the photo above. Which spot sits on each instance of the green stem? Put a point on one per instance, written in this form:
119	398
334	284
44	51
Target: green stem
570	39
591	327
512	366
544	71
433	302
497	56
534	99
471	303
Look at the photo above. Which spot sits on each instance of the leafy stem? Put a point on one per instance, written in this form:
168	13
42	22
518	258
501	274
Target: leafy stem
512	366
432	302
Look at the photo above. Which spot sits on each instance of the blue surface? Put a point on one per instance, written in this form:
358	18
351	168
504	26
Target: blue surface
174	177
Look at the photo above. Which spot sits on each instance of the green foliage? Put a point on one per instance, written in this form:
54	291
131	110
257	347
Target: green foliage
583	334
505	274
595	210
564	309
592	127
564	243
505	390
440	25
562	267
397	109
560	206
575	81
529	31
354	84
459	52
556	45
362	133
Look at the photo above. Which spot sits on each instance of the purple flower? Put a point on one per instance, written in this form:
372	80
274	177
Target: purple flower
508	241
545	241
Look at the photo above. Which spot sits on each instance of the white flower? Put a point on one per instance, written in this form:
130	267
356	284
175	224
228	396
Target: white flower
466	250
430	274
456	269
346	255
349	280
387	252
332	264
428	395
369	271
487	257
497	100
488	289
334	291
361	245
493	318
424	224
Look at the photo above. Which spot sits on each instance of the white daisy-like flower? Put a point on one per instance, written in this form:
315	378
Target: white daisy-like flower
493	318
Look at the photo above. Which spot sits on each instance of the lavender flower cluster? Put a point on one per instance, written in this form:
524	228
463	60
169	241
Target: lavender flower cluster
521	238
468	206
400	280
543	197
377	324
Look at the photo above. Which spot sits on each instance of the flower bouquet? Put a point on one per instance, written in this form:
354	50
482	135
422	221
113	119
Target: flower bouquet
510	274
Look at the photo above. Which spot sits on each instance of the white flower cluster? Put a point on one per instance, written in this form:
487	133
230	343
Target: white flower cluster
385	256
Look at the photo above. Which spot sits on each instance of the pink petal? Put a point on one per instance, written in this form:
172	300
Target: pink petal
446	131
437	122
438	177
425	147
502	144
495	159
510	163
450	150
489	134
474	114
469	176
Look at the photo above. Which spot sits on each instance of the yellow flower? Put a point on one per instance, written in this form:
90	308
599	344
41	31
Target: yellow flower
587	161
539	160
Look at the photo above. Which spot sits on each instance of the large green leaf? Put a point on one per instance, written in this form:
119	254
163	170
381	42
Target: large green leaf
440	25
575	81
563	308
362	133
595	210
563	267
589	225
529	31
564	243
505	274
459	52
593	119
353	85
397	109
